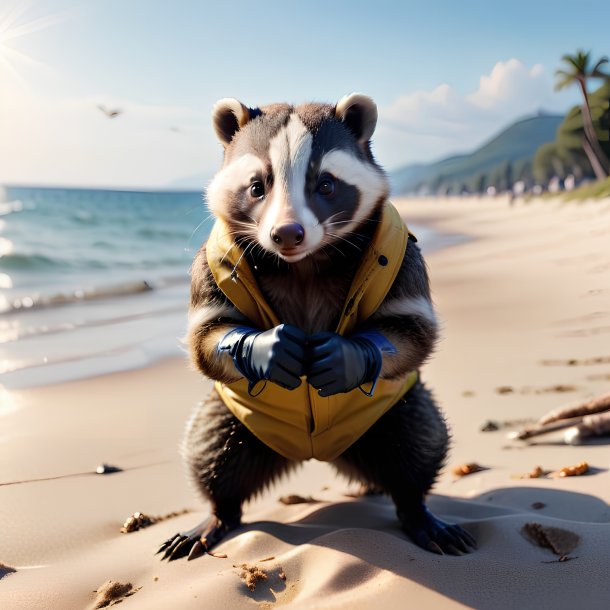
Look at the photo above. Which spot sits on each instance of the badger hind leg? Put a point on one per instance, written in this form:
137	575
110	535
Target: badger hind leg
228	465
402	454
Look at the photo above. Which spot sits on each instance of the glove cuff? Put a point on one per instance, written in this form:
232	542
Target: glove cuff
374	345
237	342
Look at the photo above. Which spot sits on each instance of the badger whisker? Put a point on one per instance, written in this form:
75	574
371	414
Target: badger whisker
328	243
245	251
238	242
188	243
347	241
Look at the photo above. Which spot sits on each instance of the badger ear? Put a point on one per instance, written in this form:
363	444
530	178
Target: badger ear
359	113
229	116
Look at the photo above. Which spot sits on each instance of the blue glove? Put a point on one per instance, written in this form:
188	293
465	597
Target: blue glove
276	355
339	364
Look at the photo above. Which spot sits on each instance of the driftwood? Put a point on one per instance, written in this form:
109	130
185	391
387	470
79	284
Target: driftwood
591	425
595	405
582	420
539	429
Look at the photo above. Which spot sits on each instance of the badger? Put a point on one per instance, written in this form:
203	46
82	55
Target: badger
310	308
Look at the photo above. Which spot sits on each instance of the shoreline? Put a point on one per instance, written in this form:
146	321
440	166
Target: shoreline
115	313
531	287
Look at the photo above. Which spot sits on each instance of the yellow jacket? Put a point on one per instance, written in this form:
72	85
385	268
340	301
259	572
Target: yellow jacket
298	423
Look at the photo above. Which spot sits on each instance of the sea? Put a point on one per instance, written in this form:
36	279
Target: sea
93	281
97	281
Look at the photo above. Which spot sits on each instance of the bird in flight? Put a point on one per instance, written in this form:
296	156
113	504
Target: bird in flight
111	113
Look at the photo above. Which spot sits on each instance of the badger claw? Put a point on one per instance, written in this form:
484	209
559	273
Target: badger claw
197	541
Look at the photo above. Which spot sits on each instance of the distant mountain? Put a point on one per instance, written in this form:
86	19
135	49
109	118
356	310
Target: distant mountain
192	183
514	146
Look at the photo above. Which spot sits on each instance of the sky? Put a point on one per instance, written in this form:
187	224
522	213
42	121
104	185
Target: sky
446	76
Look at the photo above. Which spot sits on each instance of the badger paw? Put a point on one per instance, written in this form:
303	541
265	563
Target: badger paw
197	541
434	535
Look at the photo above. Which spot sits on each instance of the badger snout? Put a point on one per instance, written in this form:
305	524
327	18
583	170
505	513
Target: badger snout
288	235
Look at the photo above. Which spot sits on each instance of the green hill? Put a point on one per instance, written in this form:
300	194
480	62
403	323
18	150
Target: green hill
508	155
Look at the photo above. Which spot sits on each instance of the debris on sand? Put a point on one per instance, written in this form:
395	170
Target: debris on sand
590	407
567	471
536	473
560	388
557	388
251	575
571	471
559	541
296	499
577	362
580	421
136	521
274	577
591	426
538	430
107	469
493	425
139	520
465	469
113	592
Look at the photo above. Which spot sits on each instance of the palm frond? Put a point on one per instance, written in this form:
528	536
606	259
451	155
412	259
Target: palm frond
579	61
596	72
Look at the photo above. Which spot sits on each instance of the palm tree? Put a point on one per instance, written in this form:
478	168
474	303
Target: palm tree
579	71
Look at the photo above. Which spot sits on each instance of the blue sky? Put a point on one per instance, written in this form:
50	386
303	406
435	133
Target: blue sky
446	76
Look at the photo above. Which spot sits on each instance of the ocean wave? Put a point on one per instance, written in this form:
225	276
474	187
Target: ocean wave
18	261
162	233
12	334
8	207
85	217
37	301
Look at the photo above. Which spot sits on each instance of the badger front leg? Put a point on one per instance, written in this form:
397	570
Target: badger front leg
225	346
211	317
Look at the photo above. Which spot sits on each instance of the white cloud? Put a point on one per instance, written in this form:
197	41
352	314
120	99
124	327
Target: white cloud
426	125
511	85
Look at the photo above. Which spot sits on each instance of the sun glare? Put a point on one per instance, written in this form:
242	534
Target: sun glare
14	24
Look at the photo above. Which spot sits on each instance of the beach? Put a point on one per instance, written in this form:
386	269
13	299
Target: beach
523	294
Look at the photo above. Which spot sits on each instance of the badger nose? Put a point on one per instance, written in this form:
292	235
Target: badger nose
288	235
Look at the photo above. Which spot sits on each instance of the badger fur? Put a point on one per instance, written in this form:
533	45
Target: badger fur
281	163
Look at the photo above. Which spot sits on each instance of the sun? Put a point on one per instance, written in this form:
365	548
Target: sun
15	24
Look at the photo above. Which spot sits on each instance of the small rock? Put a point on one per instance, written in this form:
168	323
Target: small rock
490	426
107	469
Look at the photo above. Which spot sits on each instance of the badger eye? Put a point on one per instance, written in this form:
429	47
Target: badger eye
326	186
257	189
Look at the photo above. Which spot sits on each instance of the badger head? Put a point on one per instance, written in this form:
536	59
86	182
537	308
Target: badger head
296	178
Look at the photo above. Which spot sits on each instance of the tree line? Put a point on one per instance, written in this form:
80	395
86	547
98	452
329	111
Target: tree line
582	146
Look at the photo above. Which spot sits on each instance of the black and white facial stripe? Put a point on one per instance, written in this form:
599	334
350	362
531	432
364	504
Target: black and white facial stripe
300	167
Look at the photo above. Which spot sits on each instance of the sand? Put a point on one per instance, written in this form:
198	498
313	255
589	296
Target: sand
531	285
